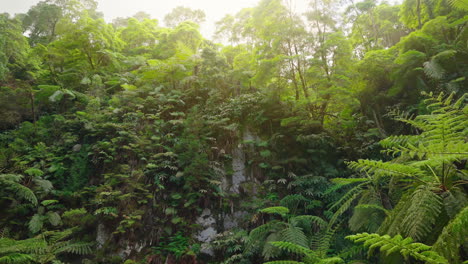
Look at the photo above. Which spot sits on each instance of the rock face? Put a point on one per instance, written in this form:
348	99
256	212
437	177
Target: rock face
231	221
214	223
102	235
238	166
125	247
129	247
208	233
239	169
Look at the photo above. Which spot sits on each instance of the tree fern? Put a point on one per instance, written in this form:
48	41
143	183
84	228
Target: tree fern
259	233
293	248
307	221
268	250
371	206
16	258
284	262
454	238
380	168
293	229
367	217
405	246
442	137
308	256
460	4
43	248
424	169
54	218
258	237
422	213
293	201
321	242
36	223
362	190
392	223
275	210
294	235
20	251
454	201
433	69
12	182
344	202
79	248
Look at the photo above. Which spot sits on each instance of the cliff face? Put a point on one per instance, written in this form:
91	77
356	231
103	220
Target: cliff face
215	220
237	181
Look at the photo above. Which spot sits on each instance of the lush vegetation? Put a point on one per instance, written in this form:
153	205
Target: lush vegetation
334	136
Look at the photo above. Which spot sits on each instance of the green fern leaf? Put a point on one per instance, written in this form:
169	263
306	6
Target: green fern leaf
283	262
276	210
454	238
36	223
16	258
292	248
54	218
404	246
422	213
433	69
294	235
79	248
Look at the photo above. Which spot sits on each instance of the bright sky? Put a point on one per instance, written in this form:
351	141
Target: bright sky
214	9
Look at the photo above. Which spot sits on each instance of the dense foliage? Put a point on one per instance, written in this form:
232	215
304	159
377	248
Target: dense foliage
334	136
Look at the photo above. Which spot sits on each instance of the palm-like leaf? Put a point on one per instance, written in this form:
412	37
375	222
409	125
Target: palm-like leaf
453	238
12	182
405	246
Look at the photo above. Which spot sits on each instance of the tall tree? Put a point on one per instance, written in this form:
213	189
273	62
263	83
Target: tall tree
40	22
181	14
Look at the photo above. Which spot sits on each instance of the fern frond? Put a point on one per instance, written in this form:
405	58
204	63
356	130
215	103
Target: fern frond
27	246
45	185
454	201
348	198
332	260
55	236
305	221
309	256
36	223
433	69
414	215
293	248
260	233
322	242
404	246
346	181
460	4
346	201
454	238
16	258
367	217
399	140
294	235
392	223
276	210
422	213
54	218
380	168
372	206
284	262
11	181
293	200
25	193
269	251
79	248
